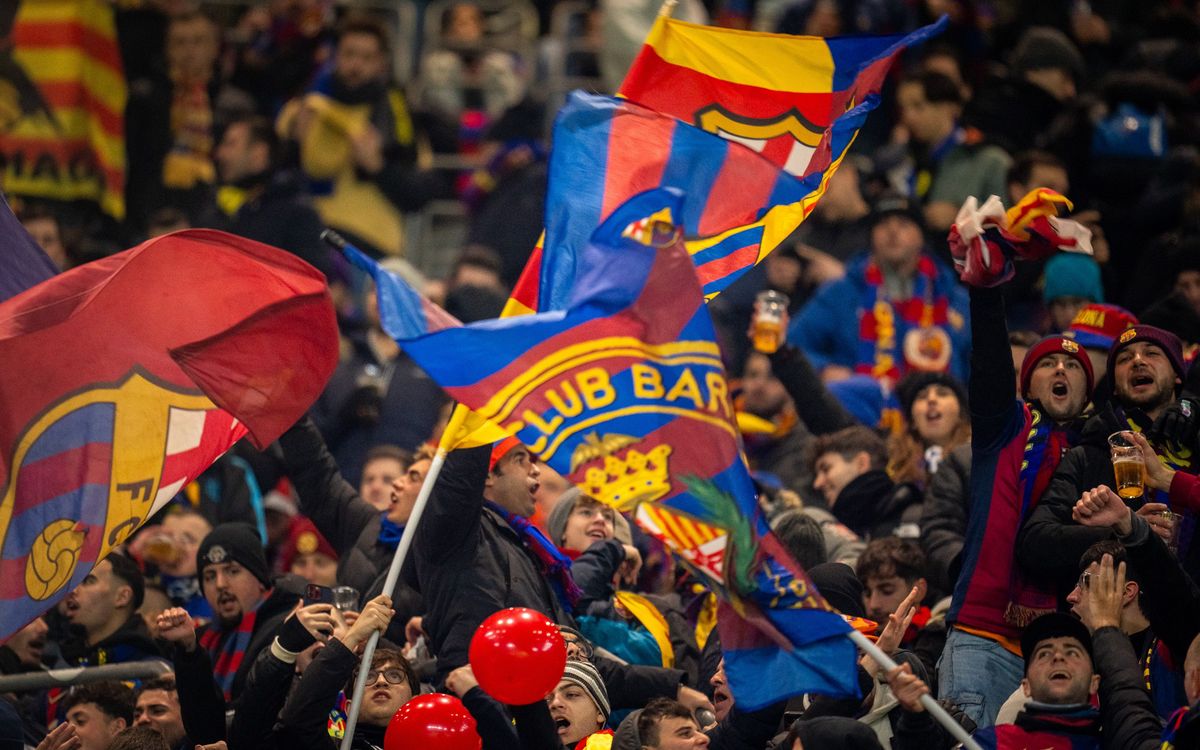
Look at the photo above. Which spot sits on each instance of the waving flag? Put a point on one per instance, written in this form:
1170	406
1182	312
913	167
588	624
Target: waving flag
127	377
22	263
62	105
624	393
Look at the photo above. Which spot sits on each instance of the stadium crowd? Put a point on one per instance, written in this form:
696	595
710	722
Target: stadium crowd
935	454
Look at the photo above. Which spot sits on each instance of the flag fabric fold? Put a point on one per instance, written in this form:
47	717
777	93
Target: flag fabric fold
125	378
624	393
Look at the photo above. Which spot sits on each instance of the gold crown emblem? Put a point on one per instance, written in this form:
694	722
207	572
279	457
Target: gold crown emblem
1069	346
623	483
1127	335
307	543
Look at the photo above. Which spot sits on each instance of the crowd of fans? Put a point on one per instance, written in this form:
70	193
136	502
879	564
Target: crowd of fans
934	454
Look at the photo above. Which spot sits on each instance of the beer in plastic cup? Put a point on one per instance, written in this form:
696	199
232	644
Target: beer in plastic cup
767	327
1128	465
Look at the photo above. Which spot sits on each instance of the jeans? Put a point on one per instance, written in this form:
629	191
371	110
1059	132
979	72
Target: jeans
978	675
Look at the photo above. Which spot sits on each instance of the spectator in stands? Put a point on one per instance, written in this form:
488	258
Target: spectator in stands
944	517
1096	328
103	609
391	682
156	705
46	229
896	310
139	738
382	466
934	409
257	199
98	712
358	143
23	650
849	470
1146	366
1021	110
376	395
308	554
171	547
464	73
211	664
949	162
1072	283
889	569
579	703
171	123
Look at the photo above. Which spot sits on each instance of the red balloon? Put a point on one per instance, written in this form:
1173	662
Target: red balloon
435	721
518	656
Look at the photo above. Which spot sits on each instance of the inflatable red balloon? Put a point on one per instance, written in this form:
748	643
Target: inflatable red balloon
436	722
518	656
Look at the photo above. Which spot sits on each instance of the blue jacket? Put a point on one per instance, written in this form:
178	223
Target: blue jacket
827	328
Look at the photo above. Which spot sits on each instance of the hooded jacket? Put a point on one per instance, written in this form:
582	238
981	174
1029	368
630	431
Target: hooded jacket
873	506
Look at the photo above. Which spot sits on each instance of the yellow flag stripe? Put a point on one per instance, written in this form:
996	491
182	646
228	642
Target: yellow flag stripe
586	424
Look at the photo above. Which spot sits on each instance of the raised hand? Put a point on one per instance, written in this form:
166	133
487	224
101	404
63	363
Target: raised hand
1101	507
462	680
62	737
374	617
1105	595
907	687
175	625
317	619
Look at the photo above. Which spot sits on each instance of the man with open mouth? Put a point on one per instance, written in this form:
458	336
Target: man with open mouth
578	704
1147	369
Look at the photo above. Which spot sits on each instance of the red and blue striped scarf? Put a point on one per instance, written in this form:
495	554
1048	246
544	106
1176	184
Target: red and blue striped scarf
227	648
554	566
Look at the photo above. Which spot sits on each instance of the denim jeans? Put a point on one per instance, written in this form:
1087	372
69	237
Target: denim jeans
978	675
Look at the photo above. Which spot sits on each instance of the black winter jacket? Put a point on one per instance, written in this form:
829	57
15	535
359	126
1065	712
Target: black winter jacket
944	518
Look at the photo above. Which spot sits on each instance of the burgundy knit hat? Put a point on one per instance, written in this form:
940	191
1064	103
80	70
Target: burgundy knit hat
1055	345
1165	340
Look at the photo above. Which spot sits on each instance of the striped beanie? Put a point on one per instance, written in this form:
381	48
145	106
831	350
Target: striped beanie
583	674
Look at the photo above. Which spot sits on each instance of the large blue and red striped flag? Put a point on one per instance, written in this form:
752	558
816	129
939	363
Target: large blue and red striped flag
793	103
624	393
125	378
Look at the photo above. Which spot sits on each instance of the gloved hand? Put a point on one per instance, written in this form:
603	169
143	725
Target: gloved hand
1178	422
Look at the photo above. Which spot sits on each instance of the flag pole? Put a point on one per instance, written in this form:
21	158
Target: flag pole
933	707
667	8
410	528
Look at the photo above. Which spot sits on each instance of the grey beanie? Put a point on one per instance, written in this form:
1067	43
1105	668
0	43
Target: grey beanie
556	522
1046	47
583	674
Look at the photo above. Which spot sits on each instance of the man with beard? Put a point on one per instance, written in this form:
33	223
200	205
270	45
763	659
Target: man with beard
1016	446
211	663
103	612
358	145
1146	366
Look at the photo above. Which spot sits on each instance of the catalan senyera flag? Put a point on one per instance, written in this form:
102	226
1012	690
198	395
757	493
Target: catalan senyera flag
62	103
624	393
125	378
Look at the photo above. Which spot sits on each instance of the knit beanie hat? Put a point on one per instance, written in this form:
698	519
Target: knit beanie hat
1073	275
1055	345
556	523
911	385
1044	47
1165	340
500	450
1098	325
586	676
234	542
303	539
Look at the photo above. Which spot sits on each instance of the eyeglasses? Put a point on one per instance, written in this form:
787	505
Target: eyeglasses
1085	581
393	676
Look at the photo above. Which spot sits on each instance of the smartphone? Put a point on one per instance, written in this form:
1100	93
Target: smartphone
315	594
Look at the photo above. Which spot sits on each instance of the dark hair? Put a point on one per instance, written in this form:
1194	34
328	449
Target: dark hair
1119	555
891	556
802	537
848	443
654	712
114	699
260	130
387	450
128	571
369	25
139	738
1021	170
164	682
196	15
479	256
33	210
383	656
938	88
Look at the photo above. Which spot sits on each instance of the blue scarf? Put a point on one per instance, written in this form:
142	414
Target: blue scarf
553	564
389	533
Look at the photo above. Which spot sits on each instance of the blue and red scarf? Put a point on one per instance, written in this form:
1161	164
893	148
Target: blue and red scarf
226	649
554	566
884	323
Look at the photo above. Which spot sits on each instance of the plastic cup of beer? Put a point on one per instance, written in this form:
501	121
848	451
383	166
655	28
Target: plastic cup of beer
1176	522
345	598
161	549
1129	466
769	309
